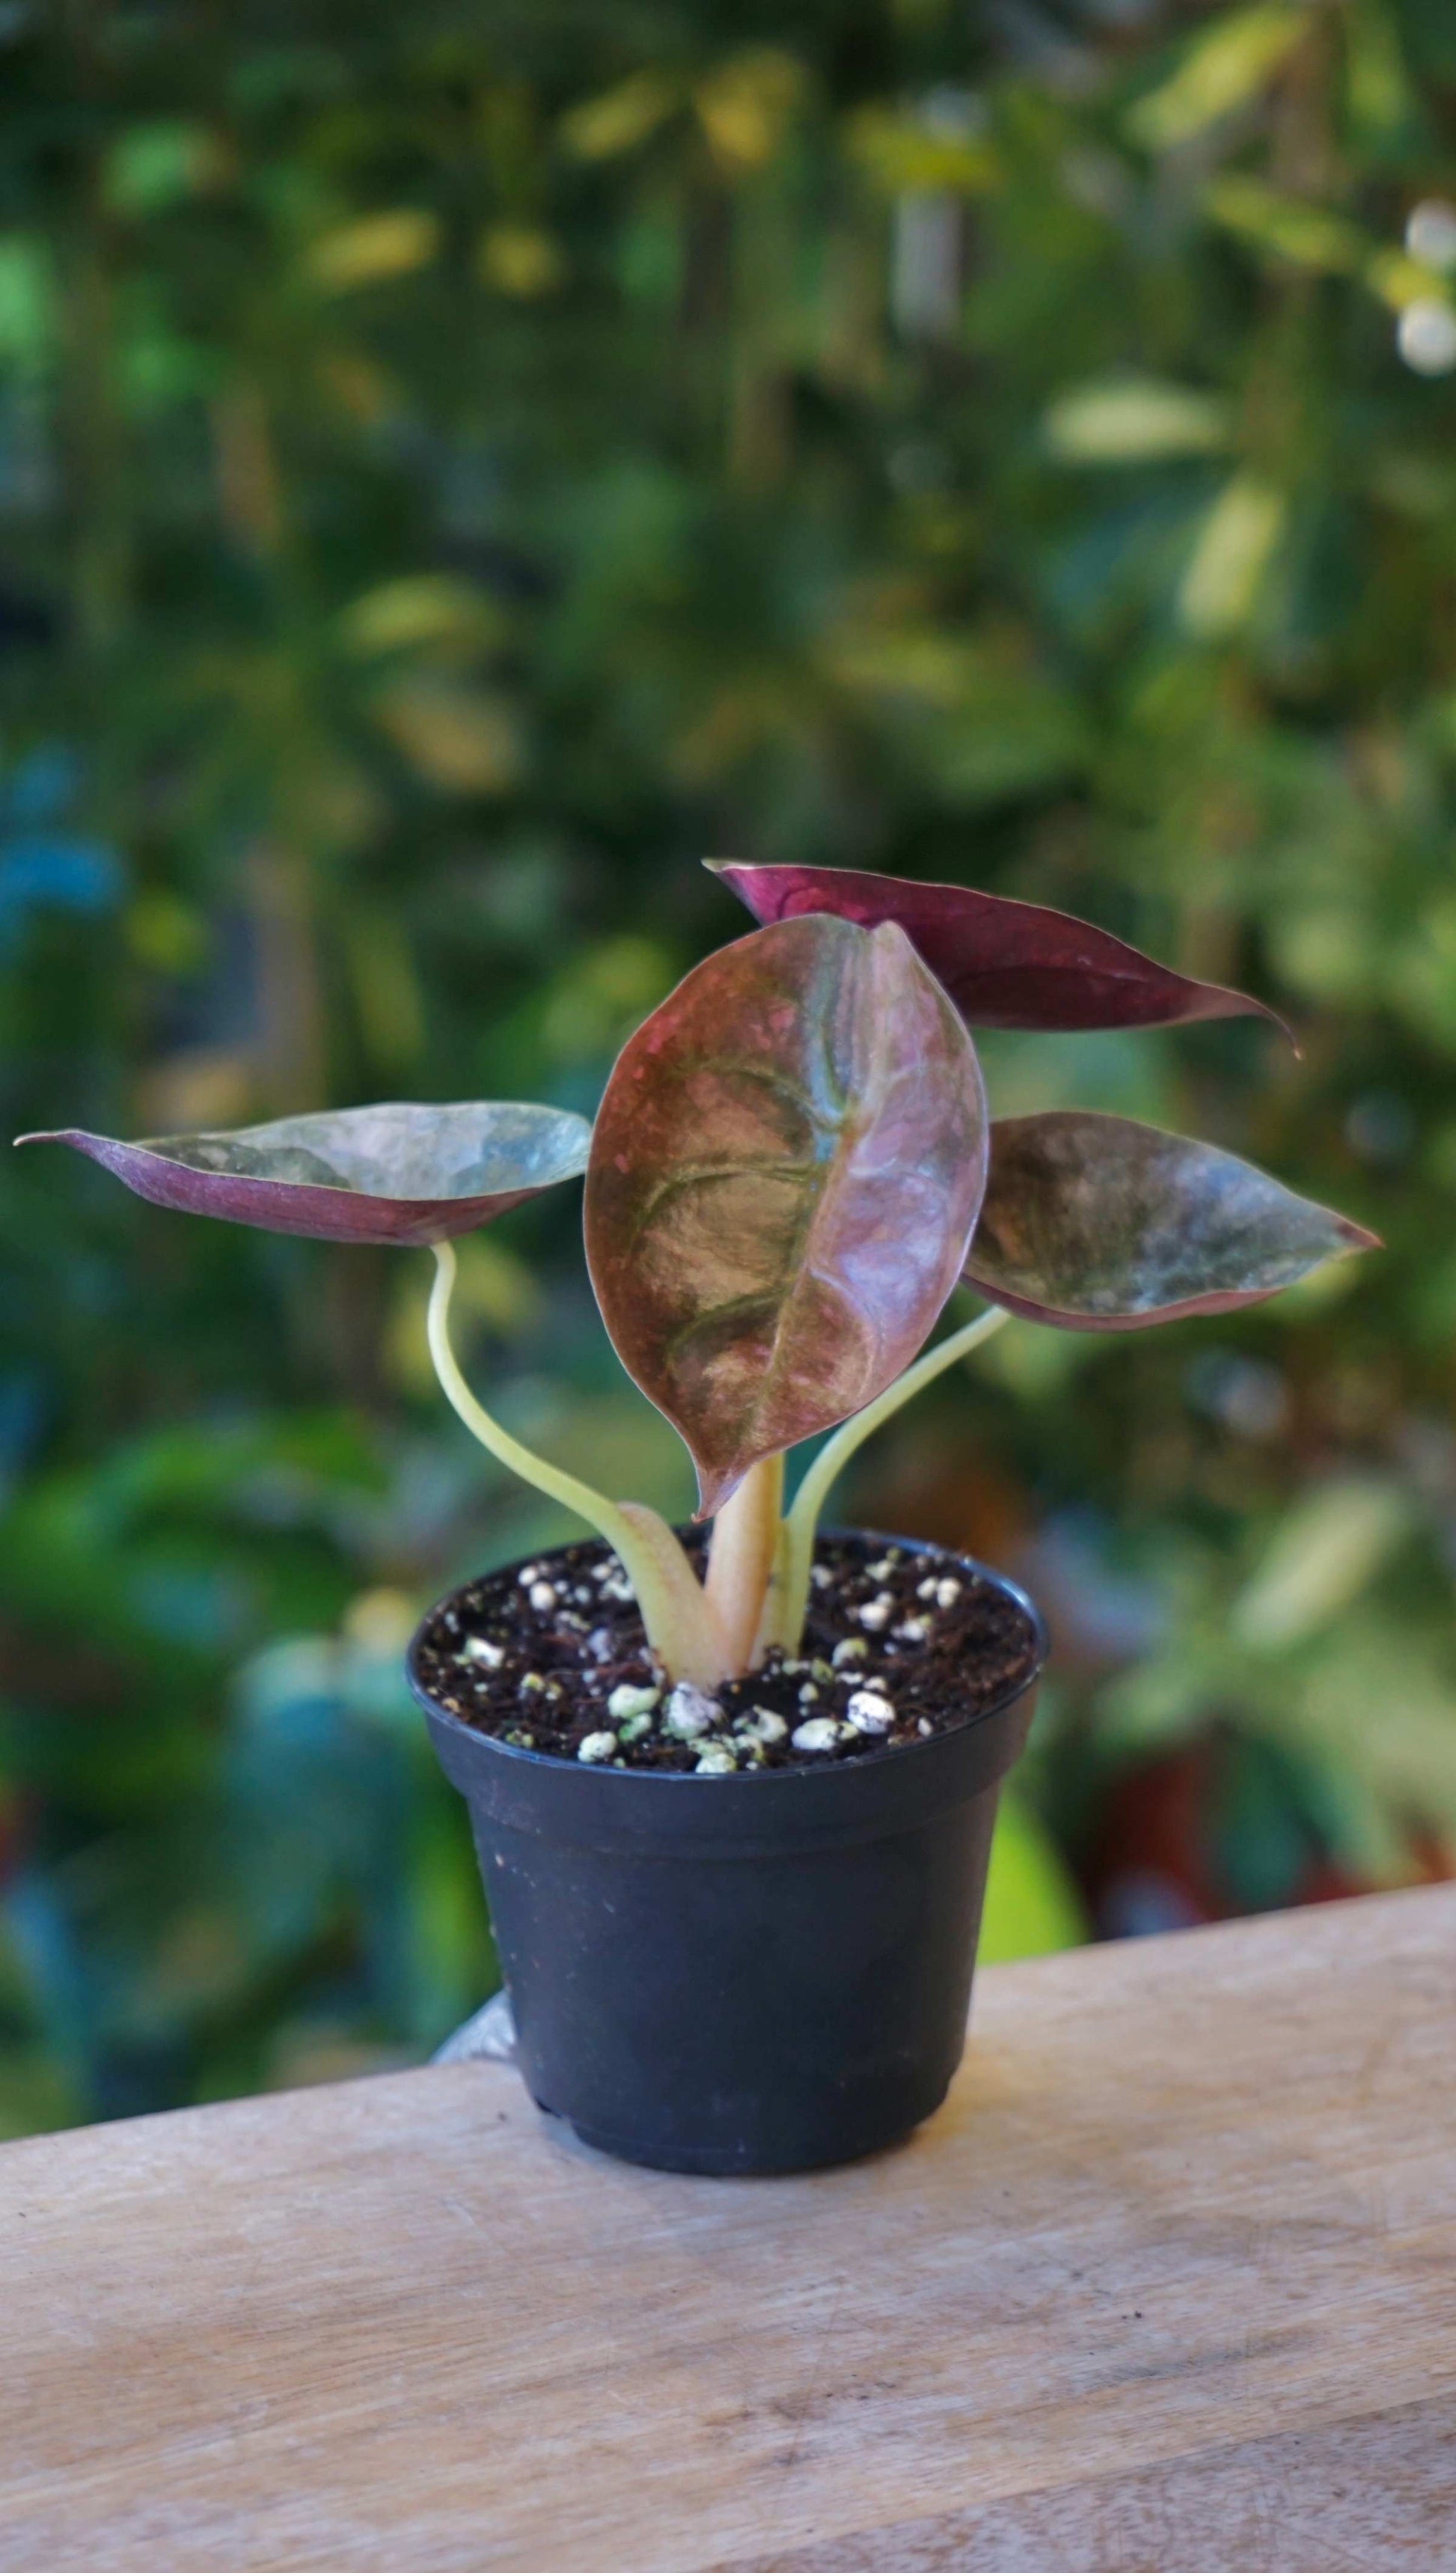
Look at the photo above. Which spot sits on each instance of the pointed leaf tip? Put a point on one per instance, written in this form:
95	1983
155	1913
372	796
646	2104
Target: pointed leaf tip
1005	964
400	1173
1096	1223
785	1172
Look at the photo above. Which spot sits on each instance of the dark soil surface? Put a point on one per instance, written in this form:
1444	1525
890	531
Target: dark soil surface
899	1646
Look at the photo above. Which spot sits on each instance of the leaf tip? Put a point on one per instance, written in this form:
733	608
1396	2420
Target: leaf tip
714	1489
1358	1237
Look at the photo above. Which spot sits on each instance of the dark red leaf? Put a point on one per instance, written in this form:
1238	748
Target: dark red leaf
784	1178
401	1173
1100	1224
1005	964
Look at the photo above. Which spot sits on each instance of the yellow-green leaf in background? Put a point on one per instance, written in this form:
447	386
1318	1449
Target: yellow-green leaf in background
1032	1906
1399	279
1379	1707
602	992
1323	949
166	934
1377	89
1327	1551
1307	234
1419	976
901	155
521	259
745	105
1135	420
374	250
619	118
1222	69
460	739
420	611
1239	536
987	721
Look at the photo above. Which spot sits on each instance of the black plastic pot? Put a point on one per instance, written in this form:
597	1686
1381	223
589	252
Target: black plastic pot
746	1974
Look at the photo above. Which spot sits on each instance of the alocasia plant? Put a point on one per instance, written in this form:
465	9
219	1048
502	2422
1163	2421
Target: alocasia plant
791	1171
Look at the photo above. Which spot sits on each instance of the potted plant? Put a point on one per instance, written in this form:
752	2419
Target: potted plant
733	1794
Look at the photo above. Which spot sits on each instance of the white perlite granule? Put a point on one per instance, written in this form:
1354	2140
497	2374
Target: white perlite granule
691	1711
715	1760
626	1700
819	1733
869	1712
761	1726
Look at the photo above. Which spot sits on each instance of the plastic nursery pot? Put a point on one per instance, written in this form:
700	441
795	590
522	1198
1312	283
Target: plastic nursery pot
745	1974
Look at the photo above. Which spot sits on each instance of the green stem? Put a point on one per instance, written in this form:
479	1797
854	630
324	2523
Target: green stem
788	1594
674	1608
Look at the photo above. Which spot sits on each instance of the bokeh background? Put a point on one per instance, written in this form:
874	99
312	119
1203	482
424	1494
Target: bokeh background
460	465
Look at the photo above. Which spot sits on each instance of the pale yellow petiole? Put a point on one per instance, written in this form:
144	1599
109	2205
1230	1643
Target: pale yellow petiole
680	1624
788	1594
741	1559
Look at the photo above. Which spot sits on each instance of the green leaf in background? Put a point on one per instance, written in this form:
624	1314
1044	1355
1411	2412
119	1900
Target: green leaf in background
1031	1905
1135	420
1225	66
1322	1558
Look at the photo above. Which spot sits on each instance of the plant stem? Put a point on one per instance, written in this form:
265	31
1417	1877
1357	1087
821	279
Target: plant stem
676	1612
788	1595
741	1559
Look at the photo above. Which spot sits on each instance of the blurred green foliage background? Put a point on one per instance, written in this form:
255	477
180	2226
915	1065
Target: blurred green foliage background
459	466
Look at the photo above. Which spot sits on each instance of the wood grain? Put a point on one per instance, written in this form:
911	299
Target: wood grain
1169	2286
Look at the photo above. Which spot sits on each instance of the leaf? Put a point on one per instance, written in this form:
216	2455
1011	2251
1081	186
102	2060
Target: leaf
745	104
1033	1907
907	155
1326	1552
1307	234
1237	538
401	1173
521	259
423	612
1223	68
374	250
617	120
1005	964
976	714
155	166
1135	420
1096	1223
460	739
785	1174
29	301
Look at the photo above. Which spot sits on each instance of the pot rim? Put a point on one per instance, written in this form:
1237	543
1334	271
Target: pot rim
899	1754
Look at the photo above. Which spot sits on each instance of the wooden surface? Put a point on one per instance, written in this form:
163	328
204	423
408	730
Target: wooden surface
1169	2286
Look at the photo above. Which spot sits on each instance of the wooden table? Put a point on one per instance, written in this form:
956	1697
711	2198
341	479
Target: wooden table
1169	2286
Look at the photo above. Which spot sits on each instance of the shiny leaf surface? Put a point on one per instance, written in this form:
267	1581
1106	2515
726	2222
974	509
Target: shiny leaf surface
397	1173
1005	964
1100	1224
785	1174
